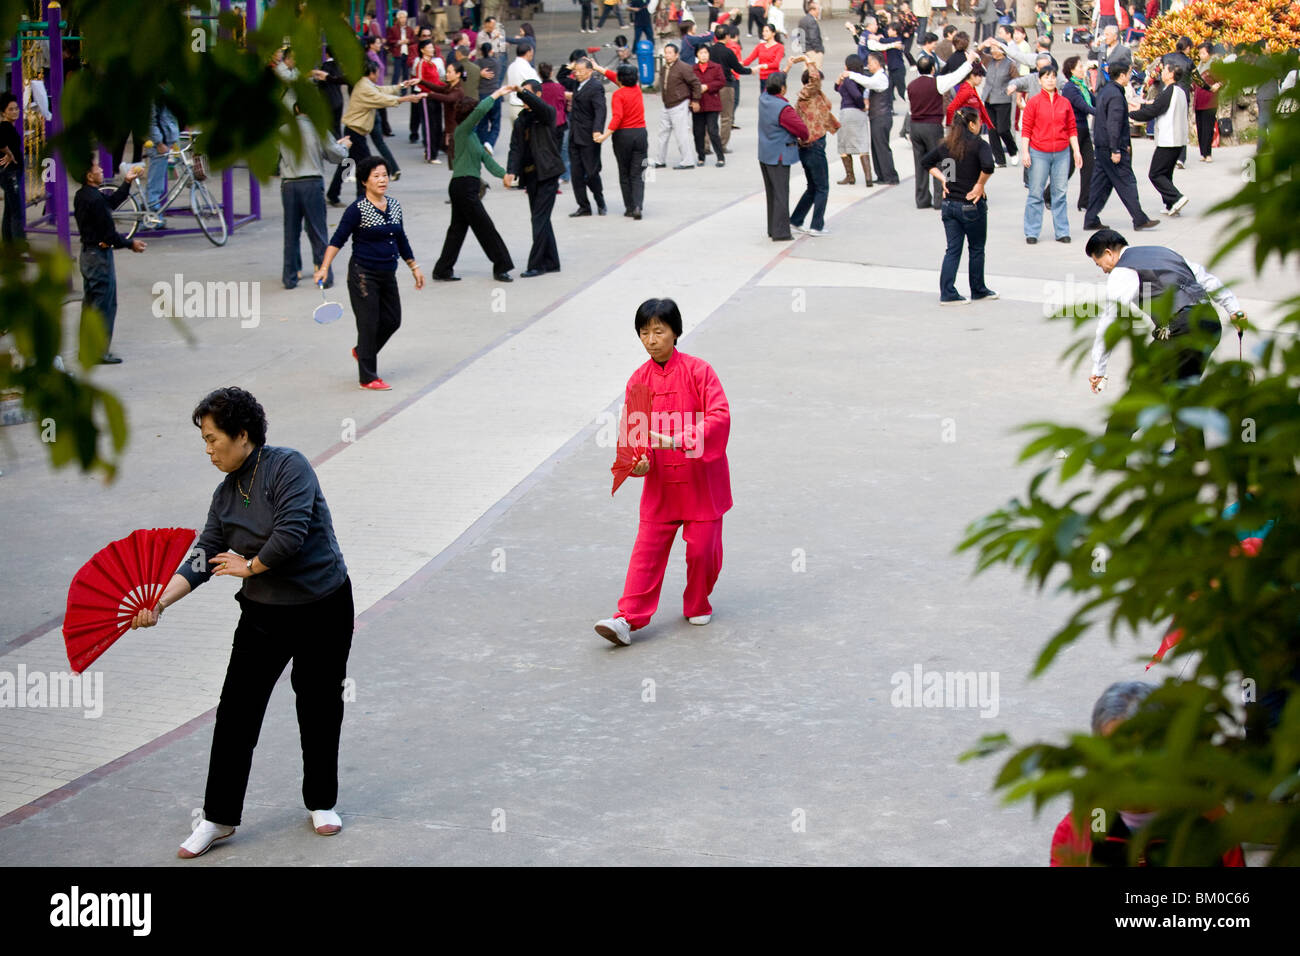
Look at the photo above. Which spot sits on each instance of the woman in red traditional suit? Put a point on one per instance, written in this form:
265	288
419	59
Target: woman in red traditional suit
687	482
425	69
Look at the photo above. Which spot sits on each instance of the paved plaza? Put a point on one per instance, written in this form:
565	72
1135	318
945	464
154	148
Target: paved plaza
490	724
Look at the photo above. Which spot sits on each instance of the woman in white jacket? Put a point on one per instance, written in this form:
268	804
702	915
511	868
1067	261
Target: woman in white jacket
1169	110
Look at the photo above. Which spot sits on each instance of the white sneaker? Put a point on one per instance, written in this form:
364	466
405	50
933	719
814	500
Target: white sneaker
817	232
616	630
700	619
1177	207
326	822
1015	159
201	840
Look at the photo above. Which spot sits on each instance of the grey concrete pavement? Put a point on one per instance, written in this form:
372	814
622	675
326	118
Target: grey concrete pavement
870	426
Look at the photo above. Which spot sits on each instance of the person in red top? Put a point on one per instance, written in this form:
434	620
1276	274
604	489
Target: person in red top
1205	99
1074	844
687	481
426	71
1106	15
708	108
1050	135
966	93
769	54
631	142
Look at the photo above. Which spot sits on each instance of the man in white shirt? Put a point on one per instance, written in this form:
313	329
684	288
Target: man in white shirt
1138	276
520	70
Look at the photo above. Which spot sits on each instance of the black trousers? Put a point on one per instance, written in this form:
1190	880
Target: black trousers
757	18
897	85
467	213
14	224
584	171
316	637
356	152
703	123
1108	176
381	147
377	308
1001	135
1205	130
776	184
881	156
929	192
544	254
631	147
1161	173
1085	172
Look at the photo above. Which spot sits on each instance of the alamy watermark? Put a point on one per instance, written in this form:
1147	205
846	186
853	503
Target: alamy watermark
958	689
53	689
208	300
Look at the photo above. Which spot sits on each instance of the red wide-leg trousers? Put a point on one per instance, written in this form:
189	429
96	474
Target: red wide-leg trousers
645	569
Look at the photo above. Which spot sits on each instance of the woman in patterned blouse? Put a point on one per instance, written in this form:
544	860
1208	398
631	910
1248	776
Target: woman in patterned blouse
374	222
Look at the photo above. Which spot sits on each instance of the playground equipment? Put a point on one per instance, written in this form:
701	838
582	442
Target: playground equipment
42	41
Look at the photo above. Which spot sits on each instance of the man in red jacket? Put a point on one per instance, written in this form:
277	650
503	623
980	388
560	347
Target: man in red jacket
1049	129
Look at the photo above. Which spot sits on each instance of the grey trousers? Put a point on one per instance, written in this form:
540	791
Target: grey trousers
925	137
776	182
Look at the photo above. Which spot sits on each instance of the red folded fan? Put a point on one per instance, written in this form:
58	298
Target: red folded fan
115	585
633	439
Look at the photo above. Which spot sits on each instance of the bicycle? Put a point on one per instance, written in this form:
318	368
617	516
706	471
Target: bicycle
133	211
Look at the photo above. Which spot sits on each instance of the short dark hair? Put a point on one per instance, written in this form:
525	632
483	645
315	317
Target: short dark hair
1176	69
1102	240
485	49
1047	70
949	30
665	310
619	41
626	75
464	106
1070	63
369	67
532	86
671	46
853	63
368	166
544	71
1206	45
929	38
879	58
720	31
925	64
1183	44
5	99
775	83
235	412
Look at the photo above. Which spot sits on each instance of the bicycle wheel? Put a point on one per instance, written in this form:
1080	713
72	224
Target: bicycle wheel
126	215
208	214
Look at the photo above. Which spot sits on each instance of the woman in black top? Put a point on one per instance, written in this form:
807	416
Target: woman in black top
269	525
967	163
14	224
374	222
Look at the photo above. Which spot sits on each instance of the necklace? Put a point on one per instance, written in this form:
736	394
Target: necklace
250	480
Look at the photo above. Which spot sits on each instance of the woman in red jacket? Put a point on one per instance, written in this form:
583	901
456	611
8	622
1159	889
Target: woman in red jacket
425	70
769	54
966	93
709	107
687	481
631	143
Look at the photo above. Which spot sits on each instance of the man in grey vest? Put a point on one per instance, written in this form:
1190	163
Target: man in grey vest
1138	276
780	129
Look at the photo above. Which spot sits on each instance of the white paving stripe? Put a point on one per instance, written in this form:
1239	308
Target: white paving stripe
403	492
796	271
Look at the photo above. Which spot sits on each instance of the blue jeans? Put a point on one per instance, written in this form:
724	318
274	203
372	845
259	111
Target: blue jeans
489	127
813	158
304	201
1057	167
963	222
564	150
167	132
99	287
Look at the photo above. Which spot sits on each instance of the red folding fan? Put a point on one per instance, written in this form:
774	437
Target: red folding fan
115	585
633	433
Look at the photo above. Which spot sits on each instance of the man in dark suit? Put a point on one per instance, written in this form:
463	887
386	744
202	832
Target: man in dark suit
536	162
586	116
1112	164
